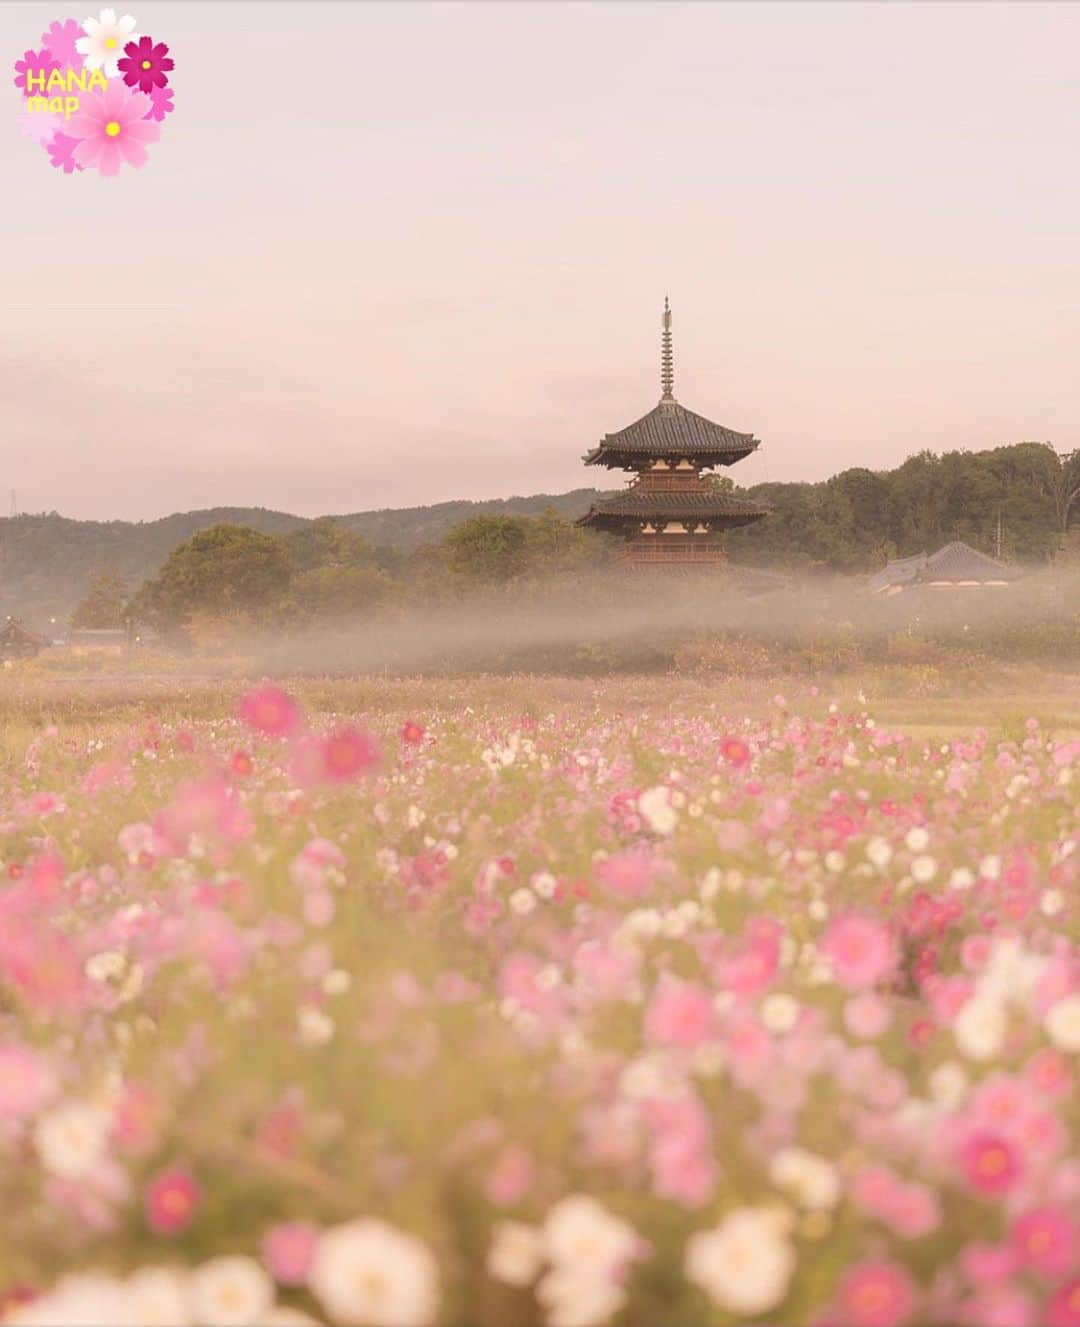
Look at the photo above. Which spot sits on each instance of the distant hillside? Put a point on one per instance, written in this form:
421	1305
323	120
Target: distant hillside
47	561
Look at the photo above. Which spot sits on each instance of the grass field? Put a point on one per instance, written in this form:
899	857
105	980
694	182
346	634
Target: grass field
500	1002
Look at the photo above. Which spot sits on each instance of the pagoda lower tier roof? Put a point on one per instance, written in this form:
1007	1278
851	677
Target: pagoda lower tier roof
637	504
670	430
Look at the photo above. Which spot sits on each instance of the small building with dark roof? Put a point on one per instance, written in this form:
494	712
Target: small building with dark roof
19	642
955	565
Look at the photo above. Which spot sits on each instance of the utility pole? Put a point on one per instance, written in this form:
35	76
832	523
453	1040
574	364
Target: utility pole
998	542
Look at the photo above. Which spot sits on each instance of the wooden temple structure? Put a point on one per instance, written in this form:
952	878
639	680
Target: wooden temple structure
672	512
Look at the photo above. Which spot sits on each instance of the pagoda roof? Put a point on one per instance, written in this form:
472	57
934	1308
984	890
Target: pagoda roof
669	429
956	563
640	504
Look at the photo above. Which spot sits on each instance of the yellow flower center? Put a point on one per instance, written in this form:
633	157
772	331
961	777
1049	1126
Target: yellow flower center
110	43
146	64
112	128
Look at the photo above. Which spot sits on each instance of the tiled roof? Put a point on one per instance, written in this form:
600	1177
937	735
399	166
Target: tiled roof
671	429
674	506
955	562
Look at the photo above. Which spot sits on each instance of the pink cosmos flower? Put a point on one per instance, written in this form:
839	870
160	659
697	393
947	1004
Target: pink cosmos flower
1046	1240
171	1200
412	733
59	40
991	1164
270	710
876	1294
861	950
289	1250
680	1014
626	875
112	129
867	1015
25	1082
511	1177
347	753
735	751
1063	1310
37	65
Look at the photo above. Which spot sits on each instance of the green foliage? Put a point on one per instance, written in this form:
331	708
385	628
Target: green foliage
490	550
333	594
326	543
858	519
105	603
228	571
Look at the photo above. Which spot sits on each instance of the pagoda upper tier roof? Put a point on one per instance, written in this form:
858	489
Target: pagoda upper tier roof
670	430
642	505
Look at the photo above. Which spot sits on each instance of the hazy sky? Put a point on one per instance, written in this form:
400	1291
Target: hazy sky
393	254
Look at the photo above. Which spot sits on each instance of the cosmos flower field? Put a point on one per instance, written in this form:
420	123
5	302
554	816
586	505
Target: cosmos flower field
536	1006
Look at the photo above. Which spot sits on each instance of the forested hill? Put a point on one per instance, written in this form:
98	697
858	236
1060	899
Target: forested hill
48	560
1024	496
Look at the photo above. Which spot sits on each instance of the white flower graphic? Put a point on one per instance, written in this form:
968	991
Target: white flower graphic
106	37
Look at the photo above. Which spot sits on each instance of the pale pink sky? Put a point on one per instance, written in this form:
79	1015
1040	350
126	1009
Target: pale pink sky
395	254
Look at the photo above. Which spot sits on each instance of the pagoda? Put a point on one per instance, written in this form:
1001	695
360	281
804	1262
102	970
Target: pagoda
671	513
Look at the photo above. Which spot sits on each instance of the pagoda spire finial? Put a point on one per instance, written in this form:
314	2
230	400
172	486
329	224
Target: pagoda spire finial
667	360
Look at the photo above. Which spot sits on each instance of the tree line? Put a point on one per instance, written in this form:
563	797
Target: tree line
1019	501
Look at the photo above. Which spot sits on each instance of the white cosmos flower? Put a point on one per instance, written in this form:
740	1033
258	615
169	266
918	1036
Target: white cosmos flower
980	1027
924	868
580	1232
780	1012
87	1299
230	1292
106	37
516	1253
1062	1024
745	1264
811	1180
879	852
949	1085
71	1139
159	1297
654	807
579	1296
367	1274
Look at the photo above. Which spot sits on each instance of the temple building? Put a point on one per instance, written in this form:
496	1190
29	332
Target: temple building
671	513
956	566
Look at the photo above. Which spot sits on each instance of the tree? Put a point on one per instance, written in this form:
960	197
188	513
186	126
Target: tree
328	595
104	604
492	550
325	543
226	571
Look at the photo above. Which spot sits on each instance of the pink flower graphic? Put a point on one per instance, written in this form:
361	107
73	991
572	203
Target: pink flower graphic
38	125
112	129
60	149
40	64
60	41
161	103
145	65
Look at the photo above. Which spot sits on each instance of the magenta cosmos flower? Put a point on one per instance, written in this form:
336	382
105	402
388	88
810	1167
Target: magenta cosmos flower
38	63
145	65
111	129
